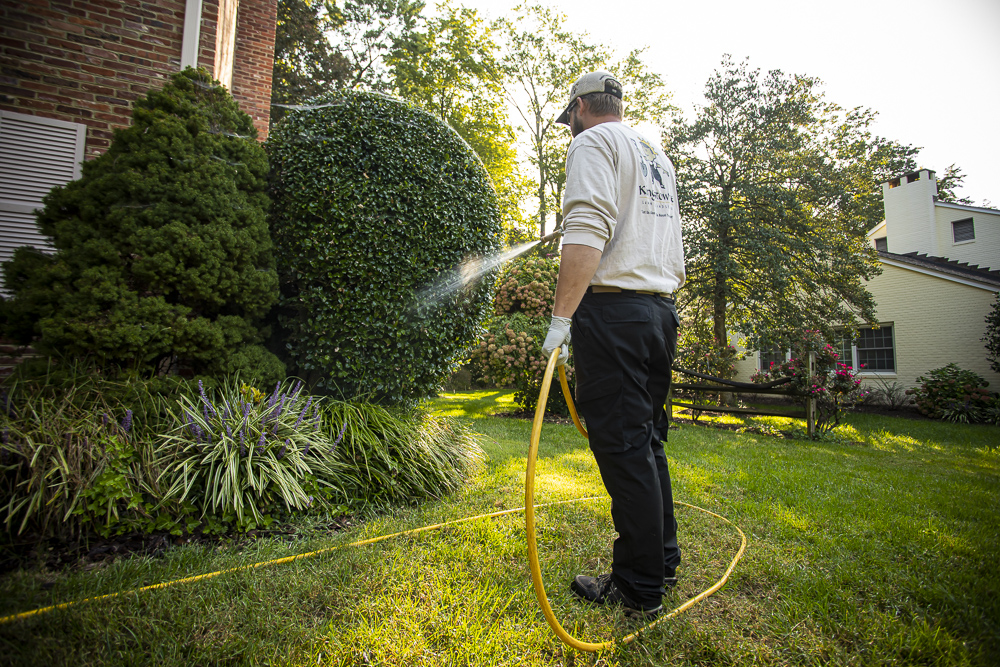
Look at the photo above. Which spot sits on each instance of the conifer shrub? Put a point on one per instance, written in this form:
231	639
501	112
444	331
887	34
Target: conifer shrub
162	246
376	205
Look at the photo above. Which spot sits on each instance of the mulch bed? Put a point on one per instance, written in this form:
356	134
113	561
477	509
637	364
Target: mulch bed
29	552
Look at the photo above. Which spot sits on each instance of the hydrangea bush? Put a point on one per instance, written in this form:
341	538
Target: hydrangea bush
510	353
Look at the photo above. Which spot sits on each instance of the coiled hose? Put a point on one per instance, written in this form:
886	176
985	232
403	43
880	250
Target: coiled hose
529	516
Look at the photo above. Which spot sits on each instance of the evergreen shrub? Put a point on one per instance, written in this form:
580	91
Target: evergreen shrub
954	394
376	204
162	246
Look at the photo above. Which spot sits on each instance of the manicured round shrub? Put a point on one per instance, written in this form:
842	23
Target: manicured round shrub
378	207
162	247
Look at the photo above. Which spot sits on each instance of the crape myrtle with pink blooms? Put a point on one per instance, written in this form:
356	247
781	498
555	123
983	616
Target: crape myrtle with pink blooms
833	384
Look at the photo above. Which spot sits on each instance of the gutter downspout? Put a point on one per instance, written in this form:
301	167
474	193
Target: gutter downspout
192	34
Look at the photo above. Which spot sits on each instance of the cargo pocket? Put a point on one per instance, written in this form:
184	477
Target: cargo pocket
599	401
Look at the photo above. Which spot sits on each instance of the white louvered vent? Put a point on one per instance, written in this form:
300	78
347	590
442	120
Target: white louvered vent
36	154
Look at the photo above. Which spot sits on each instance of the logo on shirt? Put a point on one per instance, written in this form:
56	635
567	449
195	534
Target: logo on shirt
650	165
657	195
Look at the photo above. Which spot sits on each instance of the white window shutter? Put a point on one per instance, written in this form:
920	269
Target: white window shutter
36	154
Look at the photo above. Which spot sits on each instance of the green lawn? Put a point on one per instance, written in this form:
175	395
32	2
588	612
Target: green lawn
876	546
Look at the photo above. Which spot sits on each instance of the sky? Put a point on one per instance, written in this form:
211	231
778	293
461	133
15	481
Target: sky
931	69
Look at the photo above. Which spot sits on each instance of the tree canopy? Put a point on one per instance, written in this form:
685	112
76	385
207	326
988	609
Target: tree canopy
778	188
541	58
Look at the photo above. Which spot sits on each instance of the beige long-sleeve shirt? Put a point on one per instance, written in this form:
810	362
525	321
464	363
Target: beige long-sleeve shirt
621	198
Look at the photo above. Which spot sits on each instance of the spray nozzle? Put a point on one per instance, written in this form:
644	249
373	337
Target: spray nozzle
550	237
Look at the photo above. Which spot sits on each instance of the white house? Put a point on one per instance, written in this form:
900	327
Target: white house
940	273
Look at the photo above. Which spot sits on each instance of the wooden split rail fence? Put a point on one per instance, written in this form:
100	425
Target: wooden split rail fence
721	386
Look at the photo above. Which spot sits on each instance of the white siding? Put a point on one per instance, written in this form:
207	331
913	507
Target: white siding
984	250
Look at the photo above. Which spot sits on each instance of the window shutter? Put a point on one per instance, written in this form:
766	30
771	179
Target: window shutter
36	154
963	230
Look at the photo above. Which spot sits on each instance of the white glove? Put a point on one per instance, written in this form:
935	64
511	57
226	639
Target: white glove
558	336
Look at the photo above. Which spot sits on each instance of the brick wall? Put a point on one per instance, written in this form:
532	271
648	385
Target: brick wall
87	61
255	27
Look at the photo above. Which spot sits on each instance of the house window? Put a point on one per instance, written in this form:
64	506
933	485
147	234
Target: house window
845	348
772	355
882	244
875	350
963	230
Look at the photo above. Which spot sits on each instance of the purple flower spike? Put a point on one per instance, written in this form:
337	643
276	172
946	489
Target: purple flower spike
339	437
281	407
260	443
208	404
274	397
303	413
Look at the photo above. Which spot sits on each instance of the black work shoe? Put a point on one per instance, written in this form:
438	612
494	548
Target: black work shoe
602	590
669	582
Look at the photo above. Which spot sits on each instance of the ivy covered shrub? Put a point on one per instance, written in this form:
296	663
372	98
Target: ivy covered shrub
510	353
378	206
162	247
954	394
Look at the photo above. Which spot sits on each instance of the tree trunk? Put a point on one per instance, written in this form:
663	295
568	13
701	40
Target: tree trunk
542	211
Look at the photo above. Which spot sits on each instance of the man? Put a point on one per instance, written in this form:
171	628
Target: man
622	259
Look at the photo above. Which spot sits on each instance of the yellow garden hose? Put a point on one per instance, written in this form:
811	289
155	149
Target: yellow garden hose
529	510
529	516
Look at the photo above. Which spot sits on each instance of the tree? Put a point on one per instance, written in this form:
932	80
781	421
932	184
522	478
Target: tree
447	66
162	248
992	336
366	32
778	189
305	62
541	60
952	180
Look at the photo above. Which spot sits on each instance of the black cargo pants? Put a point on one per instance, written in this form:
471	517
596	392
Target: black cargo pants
623	347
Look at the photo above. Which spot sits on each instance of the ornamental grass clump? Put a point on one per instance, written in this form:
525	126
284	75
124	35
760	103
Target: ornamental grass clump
399	456
247	458
76	463
956	395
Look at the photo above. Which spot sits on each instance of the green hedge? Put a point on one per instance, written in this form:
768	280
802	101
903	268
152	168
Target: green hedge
375	201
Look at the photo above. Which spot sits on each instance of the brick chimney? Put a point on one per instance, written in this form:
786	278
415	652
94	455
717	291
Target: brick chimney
909	212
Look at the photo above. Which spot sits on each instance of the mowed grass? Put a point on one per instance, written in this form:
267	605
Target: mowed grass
876	546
